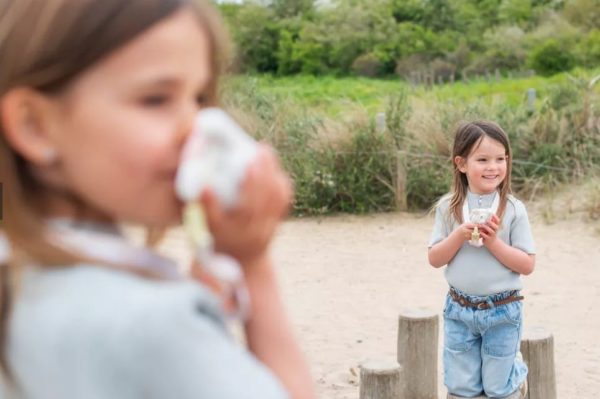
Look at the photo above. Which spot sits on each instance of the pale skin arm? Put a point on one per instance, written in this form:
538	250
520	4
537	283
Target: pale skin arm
245	233
443	252
511	257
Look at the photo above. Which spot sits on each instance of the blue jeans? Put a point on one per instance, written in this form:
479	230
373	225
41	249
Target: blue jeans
481	346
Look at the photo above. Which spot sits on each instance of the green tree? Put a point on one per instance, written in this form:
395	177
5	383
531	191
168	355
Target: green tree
585	13
516	12
256	35
292	8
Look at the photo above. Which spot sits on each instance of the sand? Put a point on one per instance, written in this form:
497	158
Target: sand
345	280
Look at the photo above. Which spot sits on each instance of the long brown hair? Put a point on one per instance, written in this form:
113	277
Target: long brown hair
45	45
467	137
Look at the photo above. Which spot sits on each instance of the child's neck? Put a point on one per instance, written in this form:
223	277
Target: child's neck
58	205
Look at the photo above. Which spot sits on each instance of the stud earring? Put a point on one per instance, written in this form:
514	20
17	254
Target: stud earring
50	156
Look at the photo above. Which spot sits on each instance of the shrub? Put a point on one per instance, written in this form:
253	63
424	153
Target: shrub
551	58
588	50
366	65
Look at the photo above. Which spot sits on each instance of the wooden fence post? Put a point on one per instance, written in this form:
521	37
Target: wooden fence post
531	100
400	181
418	353
380	123
537	347
380	380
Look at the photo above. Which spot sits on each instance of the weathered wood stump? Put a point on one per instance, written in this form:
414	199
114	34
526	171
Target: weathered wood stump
380	380
418	353
537	347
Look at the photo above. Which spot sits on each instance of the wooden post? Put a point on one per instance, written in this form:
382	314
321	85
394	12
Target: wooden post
497	74
440	80
531	100
380	122
418	353
537	348
452	77
380	380
400	183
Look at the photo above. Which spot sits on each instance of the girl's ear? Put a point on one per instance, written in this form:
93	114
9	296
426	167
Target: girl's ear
25	115
461	164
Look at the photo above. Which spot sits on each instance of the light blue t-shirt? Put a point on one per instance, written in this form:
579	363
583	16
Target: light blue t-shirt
474	270
89	332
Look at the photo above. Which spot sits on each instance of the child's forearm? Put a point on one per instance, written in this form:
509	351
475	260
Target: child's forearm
511	257
442	252
269	333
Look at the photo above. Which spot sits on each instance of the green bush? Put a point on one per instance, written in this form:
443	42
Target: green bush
427	180
551	58
367	65
588	50
354	171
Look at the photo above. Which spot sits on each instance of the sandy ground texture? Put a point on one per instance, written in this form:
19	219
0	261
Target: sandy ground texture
345	280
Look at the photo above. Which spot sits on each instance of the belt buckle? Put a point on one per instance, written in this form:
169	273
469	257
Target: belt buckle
482	305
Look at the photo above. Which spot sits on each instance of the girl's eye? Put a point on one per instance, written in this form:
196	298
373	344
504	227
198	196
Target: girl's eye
481	160
155	100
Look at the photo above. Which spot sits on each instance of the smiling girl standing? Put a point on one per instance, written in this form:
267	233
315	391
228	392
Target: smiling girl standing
97	98
483	309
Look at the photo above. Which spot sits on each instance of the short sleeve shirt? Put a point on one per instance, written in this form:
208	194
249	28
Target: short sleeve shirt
474	270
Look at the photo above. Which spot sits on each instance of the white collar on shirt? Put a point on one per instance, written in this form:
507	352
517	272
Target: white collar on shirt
104	243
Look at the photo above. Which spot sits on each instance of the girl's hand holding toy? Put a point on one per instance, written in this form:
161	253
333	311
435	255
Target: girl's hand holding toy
236	194
489	229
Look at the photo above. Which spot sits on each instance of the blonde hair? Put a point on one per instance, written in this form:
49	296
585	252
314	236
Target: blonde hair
44	45
467	137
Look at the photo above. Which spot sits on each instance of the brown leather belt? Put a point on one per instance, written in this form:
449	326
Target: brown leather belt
462	301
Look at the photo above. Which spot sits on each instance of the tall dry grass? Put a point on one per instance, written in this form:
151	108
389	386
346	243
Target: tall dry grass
343	164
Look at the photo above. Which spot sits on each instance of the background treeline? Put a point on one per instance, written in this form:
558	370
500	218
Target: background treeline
387	37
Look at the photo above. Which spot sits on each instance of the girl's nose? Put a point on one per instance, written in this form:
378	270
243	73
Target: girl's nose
187	123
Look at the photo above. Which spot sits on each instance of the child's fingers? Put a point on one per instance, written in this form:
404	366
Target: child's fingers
492	225
487	230
212	208
484	228
266	190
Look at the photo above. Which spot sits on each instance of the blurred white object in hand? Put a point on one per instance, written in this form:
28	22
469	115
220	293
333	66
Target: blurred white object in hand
480	215
217	154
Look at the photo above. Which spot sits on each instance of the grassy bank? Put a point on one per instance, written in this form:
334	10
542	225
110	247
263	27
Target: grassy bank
325	132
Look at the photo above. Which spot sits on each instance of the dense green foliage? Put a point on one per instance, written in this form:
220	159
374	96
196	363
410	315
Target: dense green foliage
383	37
325	133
